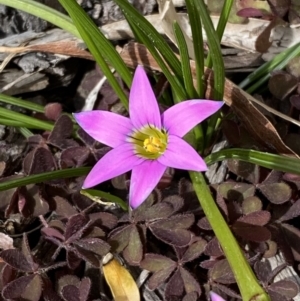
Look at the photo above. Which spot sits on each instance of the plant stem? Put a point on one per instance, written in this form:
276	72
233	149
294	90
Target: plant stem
246	280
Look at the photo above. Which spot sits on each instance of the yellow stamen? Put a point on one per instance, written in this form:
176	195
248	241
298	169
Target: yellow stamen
153	145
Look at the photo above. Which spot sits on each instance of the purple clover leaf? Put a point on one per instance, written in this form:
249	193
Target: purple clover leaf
147	142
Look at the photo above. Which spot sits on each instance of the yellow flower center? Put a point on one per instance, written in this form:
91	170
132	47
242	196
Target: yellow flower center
153	145
149	142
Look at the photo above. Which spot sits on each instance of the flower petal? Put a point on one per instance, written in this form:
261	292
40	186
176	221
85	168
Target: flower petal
182	117
215	297
179	154
116	162
106	127
143	106
144	178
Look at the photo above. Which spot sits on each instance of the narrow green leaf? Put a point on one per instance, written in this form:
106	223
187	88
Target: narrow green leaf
262	74
218	64
100	48
21	103
185	62
214	48
196	28
221	25
25	120
97	195
174	82
25	132
272	161
142	24
19	124
46	176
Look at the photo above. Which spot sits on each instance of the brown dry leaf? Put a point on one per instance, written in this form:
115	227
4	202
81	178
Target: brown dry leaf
66	47
120	281
254	121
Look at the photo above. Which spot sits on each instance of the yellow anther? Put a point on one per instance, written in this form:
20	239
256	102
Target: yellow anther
153	145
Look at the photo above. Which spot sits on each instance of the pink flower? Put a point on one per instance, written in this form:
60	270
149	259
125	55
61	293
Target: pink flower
215	297
147	142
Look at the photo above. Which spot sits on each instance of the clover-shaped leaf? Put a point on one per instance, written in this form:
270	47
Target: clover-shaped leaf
173	230
285	288
221	272
276	193
236	191
161	266
133	253
251	232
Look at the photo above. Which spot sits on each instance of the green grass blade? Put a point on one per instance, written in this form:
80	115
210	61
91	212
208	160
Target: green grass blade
196	28
25	132
97	195
271	161
262	74
142	24
185	62
46	176
21	103
221	25
214	48
100	48
44	12
25	120
19	124
174	81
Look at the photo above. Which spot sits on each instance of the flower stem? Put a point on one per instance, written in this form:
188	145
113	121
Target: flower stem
246	280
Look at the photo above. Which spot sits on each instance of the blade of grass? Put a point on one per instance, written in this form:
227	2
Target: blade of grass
221	26
214	48
96	195
271	161
174	82
187	77
19	124
185	62
100	47
217	61
46	176
142	24
196	28
21	103
25	120
25	132
262	74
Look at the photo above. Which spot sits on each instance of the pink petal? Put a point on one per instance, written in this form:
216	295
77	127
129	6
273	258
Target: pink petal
215	297
179	154
116	162
144	178
143	107
106	127
182	117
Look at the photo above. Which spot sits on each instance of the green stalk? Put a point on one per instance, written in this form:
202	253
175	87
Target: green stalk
246	280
